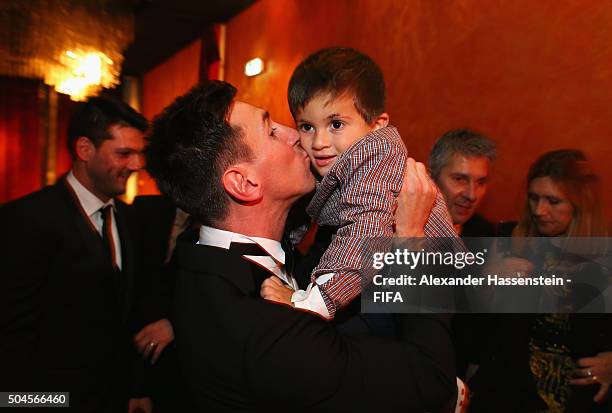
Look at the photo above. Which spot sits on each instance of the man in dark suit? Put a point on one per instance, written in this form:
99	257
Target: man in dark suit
460	162
237	171
68	265
157	224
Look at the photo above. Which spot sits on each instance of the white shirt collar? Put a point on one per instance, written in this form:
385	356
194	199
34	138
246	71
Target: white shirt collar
222	239
90	203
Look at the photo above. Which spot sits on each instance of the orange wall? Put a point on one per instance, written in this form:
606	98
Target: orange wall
162	85
533	75
170	79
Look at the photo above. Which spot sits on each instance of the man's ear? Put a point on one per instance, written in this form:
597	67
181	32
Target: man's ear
84	148
240	185
381	121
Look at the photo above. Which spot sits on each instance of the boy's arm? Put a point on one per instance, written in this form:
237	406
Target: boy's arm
370	179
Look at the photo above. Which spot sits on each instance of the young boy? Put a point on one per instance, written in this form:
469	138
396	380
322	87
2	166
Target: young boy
337	98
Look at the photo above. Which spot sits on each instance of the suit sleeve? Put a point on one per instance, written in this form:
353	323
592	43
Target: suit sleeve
27	250
303	363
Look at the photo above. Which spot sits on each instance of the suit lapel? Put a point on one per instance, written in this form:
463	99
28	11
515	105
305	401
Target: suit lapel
121	280
125	276
86	231
218	261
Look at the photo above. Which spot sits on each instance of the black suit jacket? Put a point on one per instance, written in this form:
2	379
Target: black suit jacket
242	353
65	311
152	217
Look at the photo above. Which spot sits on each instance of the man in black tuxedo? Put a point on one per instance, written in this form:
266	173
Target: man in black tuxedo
233	168
68	265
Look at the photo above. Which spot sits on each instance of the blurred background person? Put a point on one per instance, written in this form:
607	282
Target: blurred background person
69	264
552	362
460	163
157	225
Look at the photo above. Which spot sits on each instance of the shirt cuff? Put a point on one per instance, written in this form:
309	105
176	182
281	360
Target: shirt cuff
310	300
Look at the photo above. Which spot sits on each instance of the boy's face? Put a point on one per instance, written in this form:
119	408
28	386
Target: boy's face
329	126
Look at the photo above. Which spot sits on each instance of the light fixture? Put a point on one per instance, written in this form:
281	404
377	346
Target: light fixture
75	46
254	67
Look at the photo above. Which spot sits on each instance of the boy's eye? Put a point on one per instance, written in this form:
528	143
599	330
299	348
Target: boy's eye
272	131
336	124
305	127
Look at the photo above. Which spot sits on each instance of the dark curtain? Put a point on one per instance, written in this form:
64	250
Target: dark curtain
23	138
20	143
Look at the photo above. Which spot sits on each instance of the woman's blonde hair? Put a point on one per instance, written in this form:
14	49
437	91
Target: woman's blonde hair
571	171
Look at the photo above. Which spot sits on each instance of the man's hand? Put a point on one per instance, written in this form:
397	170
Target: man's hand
595	370
507	266
153	338
273	289
144	405
415	201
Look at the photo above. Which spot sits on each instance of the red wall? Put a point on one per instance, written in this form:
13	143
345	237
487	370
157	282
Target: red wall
23	138
534	76
21	148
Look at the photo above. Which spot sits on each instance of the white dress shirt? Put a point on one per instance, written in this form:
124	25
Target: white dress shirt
91	205
311	299
273	262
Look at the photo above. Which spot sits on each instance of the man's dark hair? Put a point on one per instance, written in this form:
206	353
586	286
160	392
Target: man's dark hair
465	142
337	71
191	144
94	119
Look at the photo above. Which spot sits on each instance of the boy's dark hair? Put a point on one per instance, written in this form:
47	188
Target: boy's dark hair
94	119
189	147
339	70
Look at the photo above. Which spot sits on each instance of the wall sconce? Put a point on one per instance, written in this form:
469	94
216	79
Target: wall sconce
254	67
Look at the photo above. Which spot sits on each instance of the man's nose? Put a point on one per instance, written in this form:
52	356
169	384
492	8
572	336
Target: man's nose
290	135
136	162
293	136
469	191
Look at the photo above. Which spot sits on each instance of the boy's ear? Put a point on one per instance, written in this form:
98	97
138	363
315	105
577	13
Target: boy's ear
381	121
241	185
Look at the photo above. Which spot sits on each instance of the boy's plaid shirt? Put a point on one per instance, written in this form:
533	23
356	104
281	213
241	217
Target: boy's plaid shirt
359	194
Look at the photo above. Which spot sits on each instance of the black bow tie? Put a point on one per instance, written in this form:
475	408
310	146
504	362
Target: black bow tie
248	249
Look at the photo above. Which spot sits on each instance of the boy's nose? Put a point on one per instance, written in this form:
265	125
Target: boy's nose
320	141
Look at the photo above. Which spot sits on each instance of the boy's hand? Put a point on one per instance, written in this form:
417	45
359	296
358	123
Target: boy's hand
273	289
415	200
